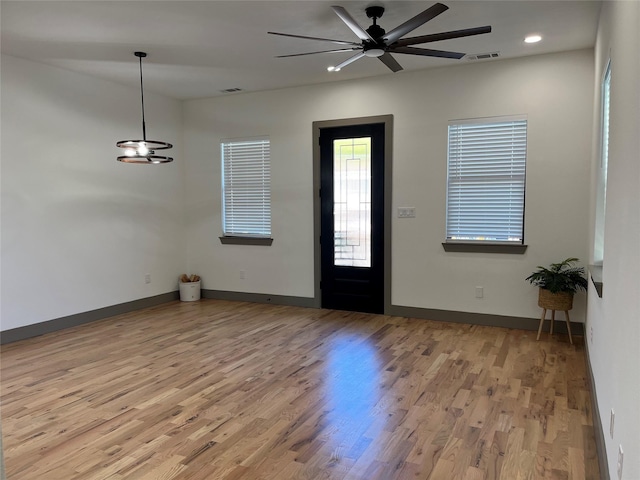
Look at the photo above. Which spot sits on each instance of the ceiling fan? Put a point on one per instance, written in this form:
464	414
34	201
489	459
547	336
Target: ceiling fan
375	42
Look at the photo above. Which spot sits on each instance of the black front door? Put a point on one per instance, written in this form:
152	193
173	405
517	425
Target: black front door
352	217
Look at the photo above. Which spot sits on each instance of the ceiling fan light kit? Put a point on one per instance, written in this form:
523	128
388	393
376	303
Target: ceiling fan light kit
374	52
143	151
375	42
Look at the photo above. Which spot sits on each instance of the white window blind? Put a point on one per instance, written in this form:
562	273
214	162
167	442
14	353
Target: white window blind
246	188
486	180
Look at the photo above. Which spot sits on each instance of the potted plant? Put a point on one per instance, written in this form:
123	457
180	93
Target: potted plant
558	283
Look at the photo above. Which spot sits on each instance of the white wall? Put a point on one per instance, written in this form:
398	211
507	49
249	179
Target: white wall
614	319
555	91
80	230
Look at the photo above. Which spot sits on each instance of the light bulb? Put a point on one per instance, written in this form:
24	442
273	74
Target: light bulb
129	152
142	150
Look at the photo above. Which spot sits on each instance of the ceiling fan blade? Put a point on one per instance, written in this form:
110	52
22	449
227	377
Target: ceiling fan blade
427	52
435	37
414	23
349	60
351	23
390	62
339	42
313	53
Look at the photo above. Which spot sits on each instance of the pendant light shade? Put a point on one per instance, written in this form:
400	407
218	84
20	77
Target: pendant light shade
143	151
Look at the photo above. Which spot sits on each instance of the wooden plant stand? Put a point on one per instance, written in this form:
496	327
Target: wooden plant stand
555	301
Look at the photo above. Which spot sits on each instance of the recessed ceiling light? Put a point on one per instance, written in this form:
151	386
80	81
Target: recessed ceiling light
532	39
333	69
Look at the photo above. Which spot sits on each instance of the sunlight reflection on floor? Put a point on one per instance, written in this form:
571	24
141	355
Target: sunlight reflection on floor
352	390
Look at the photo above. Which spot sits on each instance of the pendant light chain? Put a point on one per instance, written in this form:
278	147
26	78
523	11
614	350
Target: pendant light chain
144	126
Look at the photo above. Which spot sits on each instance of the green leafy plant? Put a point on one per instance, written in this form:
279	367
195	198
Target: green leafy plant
560	277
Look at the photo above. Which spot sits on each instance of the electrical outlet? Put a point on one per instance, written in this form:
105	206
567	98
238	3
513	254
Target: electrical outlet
147	278
591	334
479	292
620	459
242	274
611	422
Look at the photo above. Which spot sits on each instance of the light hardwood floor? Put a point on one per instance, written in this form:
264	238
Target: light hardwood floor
229	390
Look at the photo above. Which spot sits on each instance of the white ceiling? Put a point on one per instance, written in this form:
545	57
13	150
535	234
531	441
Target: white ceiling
199	48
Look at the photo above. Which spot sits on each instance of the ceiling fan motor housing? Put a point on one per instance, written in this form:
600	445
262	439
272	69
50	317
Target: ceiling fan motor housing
376	31
376	48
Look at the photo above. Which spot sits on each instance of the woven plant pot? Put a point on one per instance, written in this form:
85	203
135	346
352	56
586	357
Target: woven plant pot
555	301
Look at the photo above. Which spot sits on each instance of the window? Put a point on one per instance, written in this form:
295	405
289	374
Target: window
246	191
486	181
606	93
598	253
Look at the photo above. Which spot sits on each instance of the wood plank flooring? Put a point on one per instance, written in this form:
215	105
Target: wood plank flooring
230	390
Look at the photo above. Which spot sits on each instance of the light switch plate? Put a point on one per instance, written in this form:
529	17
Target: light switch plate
612	421
407	212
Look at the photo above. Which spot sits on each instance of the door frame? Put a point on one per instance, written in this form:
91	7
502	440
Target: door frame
387	120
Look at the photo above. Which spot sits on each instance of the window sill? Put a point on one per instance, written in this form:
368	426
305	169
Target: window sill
484	248
595	272
246	241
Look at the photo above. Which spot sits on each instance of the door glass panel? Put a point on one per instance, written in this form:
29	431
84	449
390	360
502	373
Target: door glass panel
352	202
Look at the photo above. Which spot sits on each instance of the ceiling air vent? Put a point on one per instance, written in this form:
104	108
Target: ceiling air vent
482	56
231	90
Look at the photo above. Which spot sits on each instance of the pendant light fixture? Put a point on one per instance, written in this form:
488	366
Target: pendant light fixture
143	151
